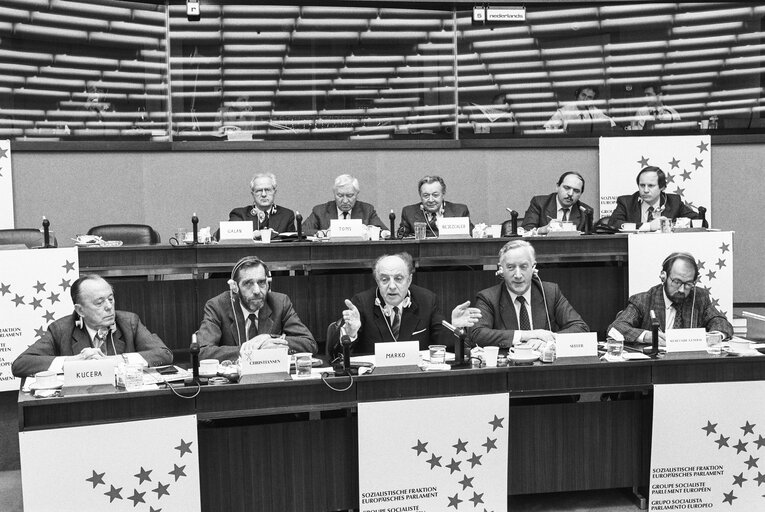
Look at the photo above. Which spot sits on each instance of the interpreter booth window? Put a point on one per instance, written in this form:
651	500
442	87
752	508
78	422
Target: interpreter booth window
83	70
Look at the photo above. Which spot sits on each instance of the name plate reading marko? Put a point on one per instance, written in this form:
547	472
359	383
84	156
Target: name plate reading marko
453	227
271	360
236	230
89	373
346	229
576	344
401	353
686	340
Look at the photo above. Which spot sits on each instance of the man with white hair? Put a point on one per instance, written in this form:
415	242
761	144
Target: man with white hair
264	213
345	206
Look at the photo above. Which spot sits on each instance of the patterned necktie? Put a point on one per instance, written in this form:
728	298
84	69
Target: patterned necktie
565	214
678	323
523	316
99	340
650	214
395	323
252	331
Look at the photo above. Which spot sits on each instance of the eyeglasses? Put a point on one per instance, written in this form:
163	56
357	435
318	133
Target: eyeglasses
682	284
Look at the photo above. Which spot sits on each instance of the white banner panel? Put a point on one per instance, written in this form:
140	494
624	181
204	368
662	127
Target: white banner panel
434	454
706	448
34	291
147	465
686	160
713	251
6	186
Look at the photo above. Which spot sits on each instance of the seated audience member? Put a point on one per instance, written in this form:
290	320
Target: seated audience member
505	318
397	310
345	206
560	206
94	331
677	302
432	206
250	315
581	115
654	111
264	213
650	203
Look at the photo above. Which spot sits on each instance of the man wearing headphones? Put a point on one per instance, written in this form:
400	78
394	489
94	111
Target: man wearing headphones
432	206
650	203
522	308
264	213
677	302
397	310
563	205
581	115
249	315
94	331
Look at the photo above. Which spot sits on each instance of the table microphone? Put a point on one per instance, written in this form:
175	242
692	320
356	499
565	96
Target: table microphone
510	227
195	224
703	217
587	219
299	222
46	232
345	342
653	350
392	217
459	345
194	351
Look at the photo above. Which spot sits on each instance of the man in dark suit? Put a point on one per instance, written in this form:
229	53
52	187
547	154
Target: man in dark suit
264	213
560	206
505	318
397	310
345	206
650	203
677	302
95	330
432	206
251	316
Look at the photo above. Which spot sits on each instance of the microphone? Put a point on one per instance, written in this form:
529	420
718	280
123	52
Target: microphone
703	217
195	224
653	350
587	219
459	345
392	218
544	297
299	222
510	227
194	351
345	342
46	232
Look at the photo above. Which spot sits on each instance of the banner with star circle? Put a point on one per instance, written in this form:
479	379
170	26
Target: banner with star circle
686	160
708	447
34	291
434	454
6	186
713	251
147	466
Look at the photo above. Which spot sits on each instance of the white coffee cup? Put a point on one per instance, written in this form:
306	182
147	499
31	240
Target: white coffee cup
491	353
697	223
629	226
373	232
208	367
740	345
265	236
46	379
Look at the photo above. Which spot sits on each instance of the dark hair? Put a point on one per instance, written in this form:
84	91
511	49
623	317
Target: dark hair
591	87
74	291
670	260
656	88
248	262
651	168
431	179
571	173
405	257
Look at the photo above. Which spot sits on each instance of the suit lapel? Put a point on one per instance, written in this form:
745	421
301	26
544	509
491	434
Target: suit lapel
119	341
81	340
381	323
636	213
659	307
538	311
235	318
551	211
507	309
265	323
409	318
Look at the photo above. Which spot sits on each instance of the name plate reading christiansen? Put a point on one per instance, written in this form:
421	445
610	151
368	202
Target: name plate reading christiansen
401	353
580	344
271	360
453	227
89	373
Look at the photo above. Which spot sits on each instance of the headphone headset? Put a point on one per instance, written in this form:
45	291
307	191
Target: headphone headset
666	266
233	287
387	309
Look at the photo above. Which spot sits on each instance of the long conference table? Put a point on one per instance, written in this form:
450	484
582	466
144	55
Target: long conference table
167	286
289	445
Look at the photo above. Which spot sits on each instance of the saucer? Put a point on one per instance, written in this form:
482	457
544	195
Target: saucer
523	358
425	355
35	387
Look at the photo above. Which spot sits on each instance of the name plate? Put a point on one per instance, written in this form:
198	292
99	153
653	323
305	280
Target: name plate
236	230
346	229
401	353
89	373
578	344
453	227
270	360
686	340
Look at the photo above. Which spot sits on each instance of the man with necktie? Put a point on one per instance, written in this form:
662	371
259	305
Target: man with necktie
432	206
563	205
581	116
264	212
251	316
655	111
677	302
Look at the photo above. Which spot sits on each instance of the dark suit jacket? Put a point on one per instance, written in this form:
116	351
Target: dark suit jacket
218	337
542	208
323	213
499	322
421	321
64	338
413	213
636	317
628	209
281	221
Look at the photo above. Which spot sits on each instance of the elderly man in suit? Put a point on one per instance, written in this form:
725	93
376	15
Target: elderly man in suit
264	213
251	316
563	205
94	331
345	206
432	206
506	320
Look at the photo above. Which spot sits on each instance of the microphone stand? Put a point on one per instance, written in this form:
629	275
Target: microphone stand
345	342
588	222
459	345
195	225
653	350
299	222
392	218
703	217
46	233
194	351
510	227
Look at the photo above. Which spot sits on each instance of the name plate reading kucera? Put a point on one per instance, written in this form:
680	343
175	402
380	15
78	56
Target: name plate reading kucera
269	360
686	340
453	227
576	344
346	229
89	373
236	230
401	353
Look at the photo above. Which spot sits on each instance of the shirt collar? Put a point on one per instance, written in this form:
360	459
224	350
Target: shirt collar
246	312
514	296
341	212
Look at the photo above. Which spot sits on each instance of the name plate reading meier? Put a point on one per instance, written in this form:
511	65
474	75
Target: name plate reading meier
346	229
401	353
686	340
89	373
236	230
453	227
576	344
270	360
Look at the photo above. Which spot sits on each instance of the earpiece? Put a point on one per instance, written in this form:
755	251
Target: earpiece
79	323
233	288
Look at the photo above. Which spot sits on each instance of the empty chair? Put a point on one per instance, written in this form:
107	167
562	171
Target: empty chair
30	237
128	234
